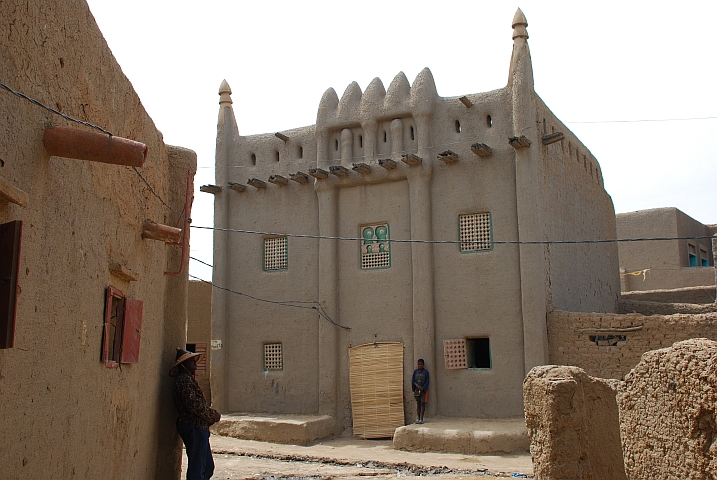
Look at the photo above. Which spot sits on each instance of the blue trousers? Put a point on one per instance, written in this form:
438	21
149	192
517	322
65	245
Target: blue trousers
200	464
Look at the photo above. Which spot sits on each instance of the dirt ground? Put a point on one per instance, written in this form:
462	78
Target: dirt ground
350	458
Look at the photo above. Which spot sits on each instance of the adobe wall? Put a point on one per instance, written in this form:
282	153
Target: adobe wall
575	206
199	324
619	340
572	420
659	308
667	259
667	412
704	294
67	413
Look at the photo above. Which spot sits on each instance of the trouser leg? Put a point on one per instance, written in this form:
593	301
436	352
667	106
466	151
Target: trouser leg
196	444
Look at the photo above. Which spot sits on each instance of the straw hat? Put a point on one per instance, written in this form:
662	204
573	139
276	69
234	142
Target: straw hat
183	355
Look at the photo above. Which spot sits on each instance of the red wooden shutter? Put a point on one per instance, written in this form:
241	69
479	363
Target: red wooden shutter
10	235
202	365
132	330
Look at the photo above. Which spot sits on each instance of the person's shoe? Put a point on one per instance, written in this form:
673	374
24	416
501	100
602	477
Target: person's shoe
421	422
418	420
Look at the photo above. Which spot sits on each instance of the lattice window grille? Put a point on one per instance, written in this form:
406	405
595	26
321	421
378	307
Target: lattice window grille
273	357
375	247
475	232
454	352
276	254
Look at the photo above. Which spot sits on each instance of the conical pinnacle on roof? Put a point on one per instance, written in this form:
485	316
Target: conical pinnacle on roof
225	92
520	24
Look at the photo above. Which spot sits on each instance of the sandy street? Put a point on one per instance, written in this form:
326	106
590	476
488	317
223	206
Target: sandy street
350	458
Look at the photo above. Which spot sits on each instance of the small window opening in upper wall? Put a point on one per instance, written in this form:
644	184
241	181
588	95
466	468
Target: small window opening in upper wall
412	134
301	152
384	136
253	158
458	126
489	121
360	141
276	155
336	144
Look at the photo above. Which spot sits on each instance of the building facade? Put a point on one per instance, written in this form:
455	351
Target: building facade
684	260
403	216
91	308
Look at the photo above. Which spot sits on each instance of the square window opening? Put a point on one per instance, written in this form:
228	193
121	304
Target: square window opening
475	232
122	329
273	357
478	353
375	247
276	254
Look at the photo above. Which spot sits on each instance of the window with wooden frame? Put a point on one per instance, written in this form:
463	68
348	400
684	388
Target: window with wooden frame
202	364
10	235
467	353
122	329
692	254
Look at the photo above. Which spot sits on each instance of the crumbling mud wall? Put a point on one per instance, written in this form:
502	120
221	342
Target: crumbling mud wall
609	345
572	420
667	413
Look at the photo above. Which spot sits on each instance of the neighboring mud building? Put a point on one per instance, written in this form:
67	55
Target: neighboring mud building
84	390
385	170
676	270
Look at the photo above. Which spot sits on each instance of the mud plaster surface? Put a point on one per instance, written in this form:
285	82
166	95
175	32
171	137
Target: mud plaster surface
338	457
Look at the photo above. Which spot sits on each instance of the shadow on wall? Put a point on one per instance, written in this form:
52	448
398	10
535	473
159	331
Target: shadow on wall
573	418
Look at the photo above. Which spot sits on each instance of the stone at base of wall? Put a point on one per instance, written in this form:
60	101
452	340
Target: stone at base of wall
464	435
277	428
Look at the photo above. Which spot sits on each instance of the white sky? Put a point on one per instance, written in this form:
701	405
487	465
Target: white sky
592	61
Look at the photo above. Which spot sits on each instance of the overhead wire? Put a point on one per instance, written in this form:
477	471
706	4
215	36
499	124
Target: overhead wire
506	242
453	242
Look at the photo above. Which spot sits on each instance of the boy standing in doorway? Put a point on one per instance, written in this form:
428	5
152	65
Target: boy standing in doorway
419	384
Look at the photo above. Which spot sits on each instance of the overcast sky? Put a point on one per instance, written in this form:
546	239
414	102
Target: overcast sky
592	61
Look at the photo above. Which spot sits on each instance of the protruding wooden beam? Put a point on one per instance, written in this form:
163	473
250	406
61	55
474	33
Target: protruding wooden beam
411	159
281	136
157	231
387	163
122	272
448	157
94	146
464	100
553	138
339	170
279	180
11	193
482	150
519	142
256	183
237	187
318	173
213	189
361	168
300	177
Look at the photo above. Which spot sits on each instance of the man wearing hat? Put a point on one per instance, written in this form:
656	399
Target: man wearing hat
195	415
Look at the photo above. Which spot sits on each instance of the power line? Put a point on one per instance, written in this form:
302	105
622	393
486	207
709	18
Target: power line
315	305
454	242
96	127
649	120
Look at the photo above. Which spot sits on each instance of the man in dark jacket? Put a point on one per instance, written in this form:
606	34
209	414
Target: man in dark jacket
195	416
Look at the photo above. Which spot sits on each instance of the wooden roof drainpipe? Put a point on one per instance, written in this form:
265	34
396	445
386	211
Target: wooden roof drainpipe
94	146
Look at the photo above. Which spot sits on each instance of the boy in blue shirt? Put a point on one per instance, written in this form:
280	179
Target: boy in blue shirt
419	385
